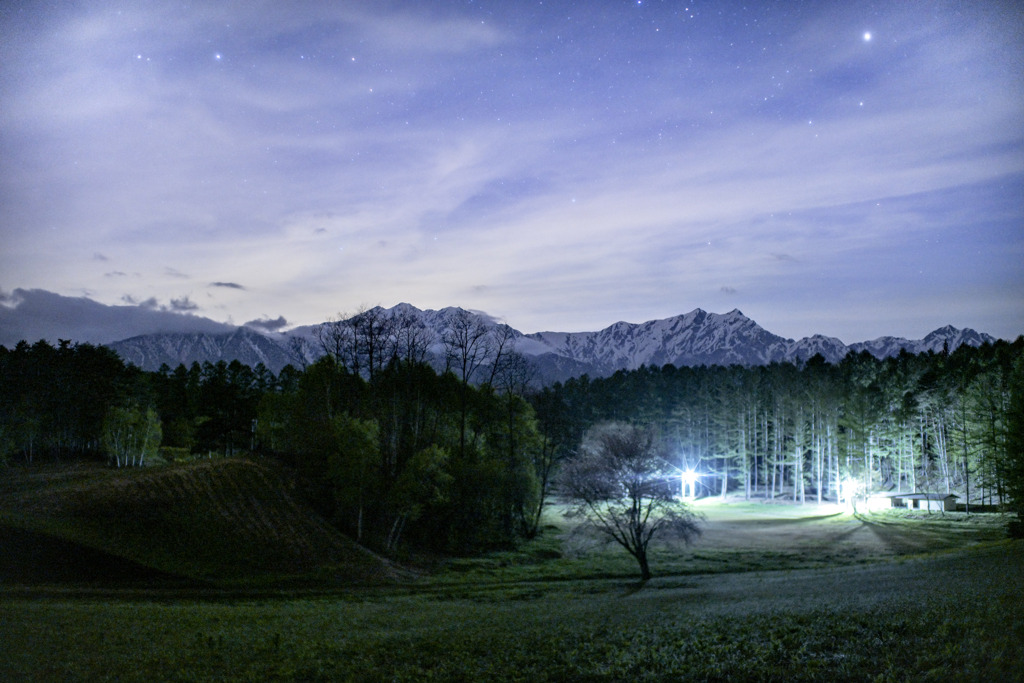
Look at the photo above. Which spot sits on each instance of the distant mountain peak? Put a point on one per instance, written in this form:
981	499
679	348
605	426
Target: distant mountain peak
689	339
945	332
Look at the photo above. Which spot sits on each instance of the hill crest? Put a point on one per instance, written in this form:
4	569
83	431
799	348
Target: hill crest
223	520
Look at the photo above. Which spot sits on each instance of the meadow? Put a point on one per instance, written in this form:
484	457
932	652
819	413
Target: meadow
770	592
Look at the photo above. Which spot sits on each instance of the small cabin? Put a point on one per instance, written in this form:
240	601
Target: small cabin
939	502
936	502
882	501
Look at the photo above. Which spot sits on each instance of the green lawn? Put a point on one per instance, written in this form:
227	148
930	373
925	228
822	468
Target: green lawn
923	599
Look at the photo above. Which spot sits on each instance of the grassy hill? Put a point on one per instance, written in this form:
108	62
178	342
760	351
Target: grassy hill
225	522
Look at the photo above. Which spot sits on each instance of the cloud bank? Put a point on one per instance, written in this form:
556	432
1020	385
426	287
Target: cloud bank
31	315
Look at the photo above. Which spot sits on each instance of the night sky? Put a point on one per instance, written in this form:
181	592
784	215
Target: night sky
850	169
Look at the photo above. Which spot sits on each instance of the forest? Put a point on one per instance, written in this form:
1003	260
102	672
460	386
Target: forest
932	422
402	455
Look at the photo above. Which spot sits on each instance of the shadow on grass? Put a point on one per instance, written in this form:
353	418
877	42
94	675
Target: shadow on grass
30	557
849	532
905	538
782	521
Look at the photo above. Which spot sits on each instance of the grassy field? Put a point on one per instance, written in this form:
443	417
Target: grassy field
770	592
217	522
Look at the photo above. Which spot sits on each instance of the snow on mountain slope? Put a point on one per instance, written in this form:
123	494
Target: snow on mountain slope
250	348
696	338
947	337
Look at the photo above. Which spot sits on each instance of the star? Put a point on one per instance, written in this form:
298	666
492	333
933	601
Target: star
589	109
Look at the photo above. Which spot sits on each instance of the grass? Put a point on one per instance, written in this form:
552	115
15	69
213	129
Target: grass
920	619
739	536
770	593
222	522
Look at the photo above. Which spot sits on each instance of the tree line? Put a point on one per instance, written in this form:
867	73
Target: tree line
390	449
398	452
945	422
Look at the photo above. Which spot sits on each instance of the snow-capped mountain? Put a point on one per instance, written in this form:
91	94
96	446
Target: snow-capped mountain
702	338
696	338
150	351
947	337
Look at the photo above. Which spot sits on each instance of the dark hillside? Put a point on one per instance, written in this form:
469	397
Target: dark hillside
35	558
232	520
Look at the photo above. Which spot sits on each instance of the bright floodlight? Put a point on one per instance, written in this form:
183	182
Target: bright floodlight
848	488
689	479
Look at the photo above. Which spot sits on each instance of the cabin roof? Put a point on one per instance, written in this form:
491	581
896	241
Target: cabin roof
914	496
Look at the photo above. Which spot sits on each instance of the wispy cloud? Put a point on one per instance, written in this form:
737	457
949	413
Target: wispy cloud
183	303
149	304
268	324
559	169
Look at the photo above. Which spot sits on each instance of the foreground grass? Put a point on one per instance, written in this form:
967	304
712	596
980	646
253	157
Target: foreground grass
769	593
952	615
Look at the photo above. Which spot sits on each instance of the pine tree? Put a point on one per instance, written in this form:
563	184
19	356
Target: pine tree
1015	449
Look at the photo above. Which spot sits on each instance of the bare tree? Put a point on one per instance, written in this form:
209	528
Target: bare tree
502	346
620	488
374	338
412	339
363	343
514	374
337	339
467	345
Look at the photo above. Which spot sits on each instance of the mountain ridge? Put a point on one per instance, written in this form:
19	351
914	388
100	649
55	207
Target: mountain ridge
690	339
243	344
